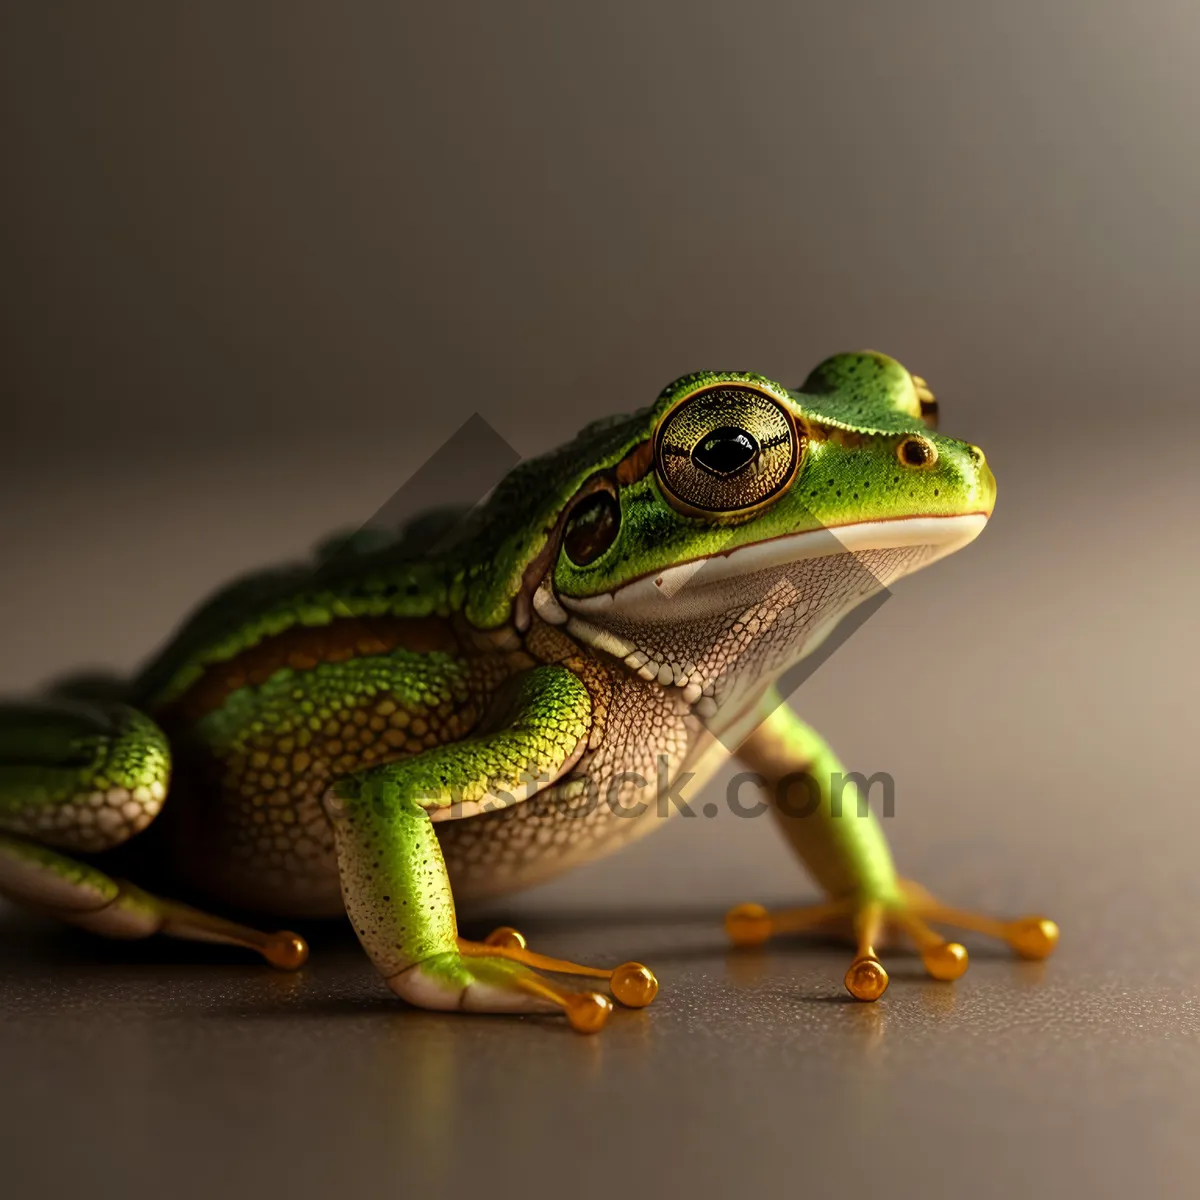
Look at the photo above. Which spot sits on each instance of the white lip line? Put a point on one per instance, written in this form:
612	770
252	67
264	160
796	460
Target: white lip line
952	531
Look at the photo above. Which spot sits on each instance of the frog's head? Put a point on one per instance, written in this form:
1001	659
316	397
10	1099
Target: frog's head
713	539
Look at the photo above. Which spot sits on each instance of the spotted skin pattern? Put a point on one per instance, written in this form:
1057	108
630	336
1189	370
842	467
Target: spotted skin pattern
273	750
382	732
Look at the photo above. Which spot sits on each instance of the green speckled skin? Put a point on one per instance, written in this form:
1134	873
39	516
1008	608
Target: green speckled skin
379	733
380	818
78	777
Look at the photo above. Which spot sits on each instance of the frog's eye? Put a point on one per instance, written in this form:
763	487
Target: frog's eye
592	527
726	449
916	451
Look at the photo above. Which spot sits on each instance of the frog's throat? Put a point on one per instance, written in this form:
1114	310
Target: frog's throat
691	625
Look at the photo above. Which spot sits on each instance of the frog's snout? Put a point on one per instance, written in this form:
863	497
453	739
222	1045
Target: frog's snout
985	481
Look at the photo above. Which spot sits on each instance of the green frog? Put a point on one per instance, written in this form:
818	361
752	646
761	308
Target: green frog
389	730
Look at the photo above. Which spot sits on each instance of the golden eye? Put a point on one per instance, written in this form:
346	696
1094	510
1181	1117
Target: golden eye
917	452
726	449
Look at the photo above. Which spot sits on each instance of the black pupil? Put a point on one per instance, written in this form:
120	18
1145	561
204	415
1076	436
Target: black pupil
916	453
592	528
725	451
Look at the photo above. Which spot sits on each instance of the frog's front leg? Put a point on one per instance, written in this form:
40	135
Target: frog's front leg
394	880
844	848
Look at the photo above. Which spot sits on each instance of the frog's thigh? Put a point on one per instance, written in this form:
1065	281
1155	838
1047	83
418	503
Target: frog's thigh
81	894
81	777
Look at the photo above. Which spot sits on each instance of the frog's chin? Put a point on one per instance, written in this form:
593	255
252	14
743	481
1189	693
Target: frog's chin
718	627
642	598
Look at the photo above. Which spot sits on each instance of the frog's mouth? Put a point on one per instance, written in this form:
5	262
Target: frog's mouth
942	536
712	625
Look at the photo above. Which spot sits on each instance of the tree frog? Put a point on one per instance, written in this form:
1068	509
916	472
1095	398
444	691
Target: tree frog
384	732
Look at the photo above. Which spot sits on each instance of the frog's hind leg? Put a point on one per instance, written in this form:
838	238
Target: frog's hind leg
80	776
86	778
81	894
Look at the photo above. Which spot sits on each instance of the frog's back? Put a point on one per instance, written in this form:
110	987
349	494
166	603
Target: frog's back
364	576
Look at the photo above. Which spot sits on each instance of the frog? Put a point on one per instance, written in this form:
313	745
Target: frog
400	727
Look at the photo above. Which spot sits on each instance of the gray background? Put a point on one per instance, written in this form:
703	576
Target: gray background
260	261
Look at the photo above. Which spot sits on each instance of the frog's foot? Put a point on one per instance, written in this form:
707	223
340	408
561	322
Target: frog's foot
631	983
910	912
476	978
1033	937
80	894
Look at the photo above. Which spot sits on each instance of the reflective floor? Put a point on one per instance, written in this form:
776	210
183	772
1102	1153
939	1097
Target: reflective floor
130	1070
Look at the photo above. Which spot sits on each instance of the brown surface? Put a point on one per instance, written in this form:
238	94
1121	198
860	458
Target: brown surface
258	268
